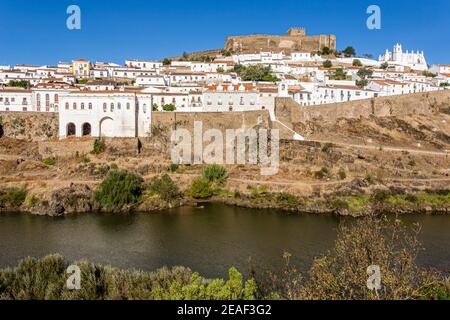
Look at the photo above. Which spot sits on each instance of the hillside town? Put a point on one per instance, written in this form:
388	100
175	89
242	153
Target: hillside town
112	100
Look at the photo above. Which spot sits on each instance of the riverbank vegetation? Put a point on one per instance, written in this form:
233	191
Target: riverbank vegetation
125	191
119	190
12	197
339	274
342	274
45	279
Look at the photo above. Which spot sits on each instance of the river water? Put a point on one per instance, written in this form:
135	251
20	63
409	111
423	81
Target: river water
208	240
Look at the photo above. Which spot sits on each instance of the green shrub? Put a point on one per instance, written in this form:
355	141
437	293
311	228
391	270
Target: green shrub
411	198
327	147
99	146
436	291
45	279
215	174
380	196
31	201
322	173
165	188
342	175
49	162
119	188
174	167
357	63
84	158
368	179
337	203
200	189
327	64
287	198
412	163
12	197
169	107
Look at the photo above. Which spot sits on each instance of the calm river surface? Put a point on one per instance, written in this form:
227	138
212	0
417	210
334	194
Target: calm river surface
208	240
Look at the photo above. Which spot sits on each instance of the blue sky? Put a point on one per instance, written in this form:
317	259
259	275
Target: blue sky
35	31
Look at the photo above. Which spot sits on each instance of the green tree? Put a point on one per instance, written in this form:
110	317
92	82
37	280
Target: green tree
255	73
169	107
185	56
155	107
326	51
362	83
357	63
200	189
339	74
119	189
19	83
368	55
327	64
371	241
99	146
349	52
165	188
384	66
363	74
166	62
12	197
226	53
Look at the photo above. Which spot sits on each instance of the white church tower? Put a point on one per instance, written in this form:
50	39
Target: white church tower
415	61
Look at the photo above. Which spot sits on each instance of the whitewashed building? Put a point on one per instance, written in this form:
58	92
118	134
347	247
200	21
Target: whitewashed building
143	64
413	60
116	113
14	99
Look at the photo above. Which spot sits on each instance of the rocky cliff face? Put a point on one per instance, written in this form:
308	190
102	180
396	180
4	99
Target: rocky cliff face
34	126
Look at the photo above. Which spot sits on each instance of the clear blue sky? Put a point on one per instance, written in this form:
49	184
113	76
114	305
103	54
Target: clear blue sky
35	32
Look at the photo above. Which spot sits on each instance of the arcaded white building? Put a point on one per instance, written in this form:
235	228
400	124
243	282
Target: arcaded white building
117	113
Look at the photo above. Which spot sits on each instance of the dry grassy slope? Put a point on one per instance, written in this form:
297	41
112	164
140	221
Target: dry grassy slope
362	147
422	132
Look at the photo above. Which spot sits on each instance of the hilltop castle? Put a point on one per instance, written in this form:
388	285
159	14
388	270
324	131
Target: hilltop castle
295	40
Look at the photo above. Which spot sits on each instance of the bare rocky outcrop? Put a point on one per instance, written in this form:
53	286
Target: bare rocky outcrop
77	198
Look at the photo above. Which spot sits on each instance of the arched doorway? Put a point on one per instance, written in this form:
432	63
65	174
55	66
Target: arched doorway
107	127
86	129
71	129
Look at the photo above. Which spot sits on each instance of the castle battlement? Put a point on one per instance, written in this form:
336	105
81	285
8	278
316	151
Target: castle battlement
295	40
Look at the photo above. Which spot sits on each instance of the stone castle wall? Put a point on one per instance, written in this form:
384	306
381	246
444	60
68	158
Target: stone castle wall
295	40
168	121
34	126
289	112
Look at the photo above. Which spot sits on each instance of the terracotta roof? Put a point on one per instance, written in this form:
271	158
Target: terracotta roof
247	87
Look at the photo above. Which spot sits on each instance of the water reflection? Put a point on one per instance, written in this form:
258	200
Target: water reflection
208	240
